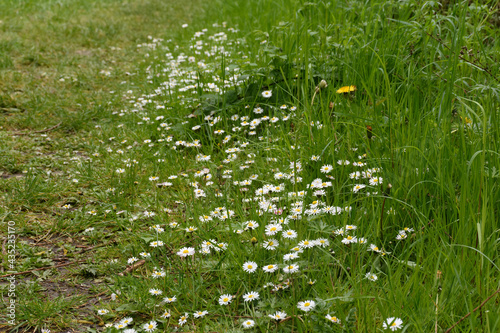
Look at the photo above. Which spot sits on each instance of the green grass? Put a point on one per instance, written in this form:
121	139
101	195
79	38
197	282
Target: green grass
125	168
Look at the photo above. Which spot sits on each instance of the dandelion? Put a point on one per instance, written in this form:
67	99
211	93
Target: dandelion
346	89
393	323
248	323
253	295
225	299
267	93
150	327
250	267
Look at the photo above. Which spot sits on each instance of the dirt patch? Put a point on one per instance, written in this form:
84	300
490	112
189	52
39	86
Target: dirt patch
8	175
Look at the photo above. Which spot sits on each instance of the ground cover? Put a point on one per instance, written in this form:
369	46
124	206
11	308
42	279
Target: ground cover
269	166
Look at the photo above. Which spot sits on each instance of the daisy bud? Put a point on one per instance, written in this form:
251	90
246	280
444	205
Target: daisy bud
388	190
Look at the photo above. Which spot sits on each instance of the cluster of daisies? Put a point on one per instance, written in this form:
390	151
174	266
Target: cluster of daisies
275	204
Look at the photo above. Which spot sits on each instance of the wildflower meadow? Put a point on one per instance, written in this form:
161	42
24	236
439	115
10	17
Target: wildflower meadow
250	166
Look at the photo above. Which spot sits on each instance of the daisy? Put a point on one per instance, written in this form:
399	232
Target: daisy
145	254
349	239
156	244
155	292
183	319
270	268
250	267
186	251
225	299
169	299
253	295
291	234
290	256
200	314
157	274
358	187
271	244
306	305
350	227
273	229
376	181
371	277
393	323
305	244
267	93
401	236
333	319
166	314
291	268
279	315
248	323
102	311
150	327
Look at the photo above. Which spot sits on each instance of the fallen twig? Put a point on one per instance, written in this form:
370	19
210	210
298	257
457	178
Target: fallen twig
132	267
84	304
477	308
93	247
42	268
40	131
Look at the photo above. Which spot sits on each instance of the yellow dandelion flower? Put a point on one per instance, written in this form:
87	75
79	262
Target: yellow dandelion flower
346	89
